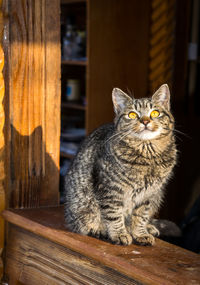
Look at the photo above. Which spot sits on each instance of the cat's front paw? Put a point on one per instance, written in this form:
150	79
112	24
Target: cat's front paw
146	239
153	230
124	239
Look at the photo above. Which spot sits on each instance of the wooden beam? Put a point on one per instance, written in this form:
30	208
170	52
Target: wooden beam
51	248
2	140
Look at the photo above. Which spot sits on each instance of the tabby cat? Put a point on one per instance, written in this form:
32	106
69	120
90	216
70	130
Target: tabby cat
116	182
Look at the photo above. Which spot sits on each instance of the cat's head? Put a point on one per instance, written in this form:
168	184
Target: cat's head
145	118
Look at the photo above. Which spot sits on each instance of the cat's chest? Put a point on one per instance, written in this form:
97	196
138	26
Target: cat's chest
130	200
140	193
136	196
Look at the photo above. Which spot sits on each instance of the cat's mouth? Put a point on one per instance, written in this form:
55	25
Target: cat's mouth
148	132
149	128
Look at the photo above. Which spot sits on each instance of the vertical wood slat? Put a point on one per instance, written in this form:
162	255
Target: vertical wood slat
50	182
2	141
34	75
161	49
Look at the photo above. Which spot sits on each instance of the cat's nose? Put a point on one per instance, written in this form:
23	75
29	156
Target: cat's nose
145	120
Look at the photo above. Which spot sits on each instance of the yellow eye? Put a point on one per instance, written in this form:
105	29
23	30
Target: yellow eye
154	114
132	115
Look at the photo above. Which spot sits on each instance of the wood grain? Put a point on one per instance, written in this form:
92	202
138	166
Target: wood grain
34	102
161	264
49	191
2	140
40	261
161	47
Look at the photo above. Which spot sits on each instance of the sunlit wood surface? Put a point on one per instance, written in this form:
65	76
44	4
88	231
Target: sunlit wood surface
34	102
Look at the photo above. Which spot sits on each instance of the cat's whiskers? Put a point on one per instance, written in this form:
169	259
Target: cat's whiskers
121	138
113	137
177	131
178	138
125	135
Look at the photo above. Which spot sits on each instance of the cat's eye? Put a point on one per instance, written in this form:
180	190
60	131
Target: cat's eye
133	115
155	114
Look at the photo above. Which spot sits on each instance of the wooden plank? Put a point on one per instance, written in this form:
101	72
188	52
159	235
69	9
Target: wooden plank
117	54
160	264
34	102
2	140
35	260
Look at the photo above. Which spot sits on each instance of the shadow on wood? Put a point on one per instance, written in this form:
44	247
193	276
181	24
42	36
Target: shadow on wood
34	176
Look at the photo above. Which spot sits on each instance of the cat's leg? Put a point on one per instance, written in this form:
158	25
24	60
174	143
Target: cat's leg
115	226
118	233
83	216
140	223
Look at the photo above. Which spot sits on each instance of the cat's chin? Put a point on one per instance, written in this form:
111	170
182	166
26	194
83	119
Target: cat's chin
147	134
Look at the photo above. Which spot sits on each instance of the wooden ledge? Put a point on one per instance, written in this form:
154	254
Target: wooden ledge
160	264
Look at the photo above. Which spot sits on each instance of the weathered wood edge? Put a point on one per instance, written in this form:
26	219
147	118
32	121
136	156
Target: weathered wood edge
2	138
80	245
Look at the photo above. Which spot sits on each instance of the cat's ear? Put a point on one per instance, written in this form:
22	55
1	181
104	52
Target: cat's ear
120	100
162	96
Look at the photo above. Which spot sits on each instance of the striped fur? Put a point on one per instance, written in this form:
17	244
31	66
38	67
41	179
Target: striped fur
116	182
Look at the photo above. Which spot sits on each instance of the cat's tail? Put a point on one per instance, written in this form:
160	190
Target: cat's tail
166	228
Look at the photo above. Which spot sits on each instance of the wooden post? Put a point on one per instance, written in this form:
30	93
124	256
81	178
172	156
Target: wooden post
33	102
2	141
